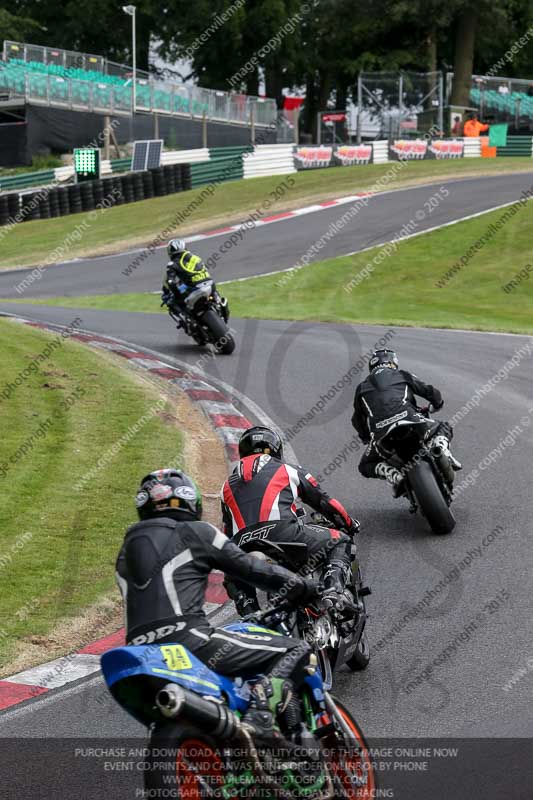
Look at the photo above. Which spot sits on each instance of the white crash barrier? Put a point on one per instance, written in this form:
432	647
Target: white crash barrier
184	156
472	147
269	159
381	151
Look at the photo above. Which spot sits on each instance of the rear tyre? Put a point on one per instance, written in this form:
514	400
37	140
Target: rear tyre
220	335
183	763
432	504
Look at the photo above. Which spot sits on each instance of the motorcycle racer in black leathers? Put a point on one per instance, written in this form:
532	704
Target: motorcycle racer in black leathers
259	500
183	272
384	398
162	571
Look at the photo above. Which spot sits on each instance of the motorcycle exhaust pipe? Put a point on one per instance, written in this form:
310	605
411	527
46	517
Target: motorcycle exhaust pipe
440	454
214	718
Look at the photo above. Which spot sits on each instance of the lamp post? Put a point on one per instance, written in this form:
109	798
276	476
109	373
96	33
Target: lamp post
130	10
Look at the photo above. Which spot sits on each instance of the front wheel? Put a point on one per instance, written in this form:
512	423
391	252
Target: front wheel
350	757
183	763
220	335
430	498
361	657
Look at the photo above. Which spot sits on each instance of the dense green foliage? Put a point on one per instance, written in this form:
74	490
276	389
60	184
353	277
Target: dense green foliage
321	45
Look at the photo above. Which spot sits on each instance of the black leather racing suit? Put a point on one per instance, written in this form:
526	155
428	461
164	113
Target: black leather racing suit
162	572
385	397
258	502
183	274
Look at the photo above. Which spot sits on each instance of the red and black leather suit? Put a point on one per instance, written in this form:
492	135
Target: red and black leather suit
259	503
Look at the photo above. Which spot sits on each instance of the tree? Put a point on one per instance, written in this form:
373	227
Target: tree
97	27
17	28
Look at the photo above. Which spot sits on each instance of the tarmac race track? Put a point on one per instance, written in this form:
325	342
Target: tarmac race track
281	244
458	609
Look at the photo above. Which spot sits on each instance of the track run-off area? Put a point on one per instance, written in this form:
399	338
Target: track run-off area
450	617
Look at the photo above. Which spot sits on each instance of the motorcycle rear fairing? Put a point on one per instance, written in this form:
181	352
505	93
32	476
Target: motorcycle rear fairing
174	663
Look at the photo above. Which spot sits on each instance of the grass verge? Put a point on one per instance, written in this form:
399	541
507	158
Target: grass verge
137	224
58	545
401	289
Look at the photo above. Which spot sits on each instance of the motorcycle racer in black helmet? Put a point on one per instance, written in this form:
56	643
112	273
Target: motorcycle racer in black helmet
162	572
379	400
183	271
260	496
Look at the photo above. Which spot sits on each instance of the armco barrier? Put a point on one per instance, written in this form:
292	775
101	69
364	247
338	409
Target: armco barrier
517	146
184	156
235	151
218	170
27	179
380	151
472	147
256	160
266	159
185	169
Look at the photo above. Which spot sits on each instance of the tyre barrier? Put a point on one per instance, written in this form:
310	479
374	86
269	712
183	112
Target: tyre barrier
64	202
44	205
170	183
177	177
186	177
53	201
160	188
31	206
127	186
98	193
108	192
4	209
148	183
88	195
13	202
118	190
74	198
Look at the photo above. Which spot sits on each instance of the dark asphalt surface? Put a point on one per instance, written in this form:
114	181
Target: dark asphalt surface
285	367
282	244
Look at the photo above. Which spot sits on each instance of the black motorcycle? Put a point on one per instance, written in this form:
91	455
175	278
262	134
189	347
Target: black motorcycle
421	456
337	636
201	312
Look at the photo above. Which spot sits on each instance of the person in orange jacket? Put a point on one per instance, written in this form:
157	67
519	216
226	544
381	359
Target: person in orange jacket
473	127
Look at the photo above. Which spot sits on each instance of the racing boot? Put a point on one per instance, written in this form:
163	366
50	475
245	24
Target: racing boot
246	605
294	757
335	579
266	696
392	476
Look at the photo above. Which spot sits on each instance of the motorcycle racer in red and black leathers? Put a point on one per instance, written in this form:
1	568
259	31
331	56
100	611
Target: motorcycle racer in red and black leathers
259	501
386	397
162	571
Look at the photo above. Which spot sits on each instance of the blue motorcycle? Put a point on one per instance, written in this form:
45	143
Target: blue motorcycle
200	748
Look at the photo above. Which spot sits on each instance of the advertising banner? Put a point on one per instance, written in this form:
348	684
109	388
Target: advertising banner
313	157
346	155
418	149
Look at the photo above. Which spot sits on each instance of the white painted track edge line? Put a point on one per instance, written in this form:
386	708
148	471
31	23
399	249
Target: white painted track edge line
235	226
379	244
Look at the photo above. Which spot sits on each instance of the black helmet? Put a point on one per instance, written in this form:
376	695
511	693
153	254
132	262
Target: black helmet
383	358
175	247
260	440
167	490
